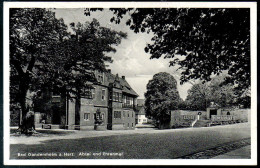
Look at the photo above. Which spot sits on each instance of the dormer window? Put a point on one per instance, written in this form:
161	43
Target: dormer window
100	78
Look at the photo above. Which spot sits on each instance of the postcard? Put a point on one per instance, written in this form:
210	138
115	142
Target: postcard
130	83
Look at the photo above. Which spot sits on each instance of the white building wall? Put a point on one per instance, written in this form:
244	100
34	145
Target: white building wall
141	119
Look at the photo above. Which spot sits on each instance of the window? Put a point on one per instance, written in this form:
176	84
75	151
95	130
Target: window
128	125
87	93
100	77
123	113
103	95
140	120
144	120
132	125
117	96
93	93
117	114
127	101
132	114
128	114
131	101
120	97
124	99
114	96
102	116
86	116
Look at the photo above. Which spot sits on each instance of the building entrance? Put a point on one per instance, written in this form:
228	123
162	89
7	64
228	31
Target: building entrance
55	114
213	112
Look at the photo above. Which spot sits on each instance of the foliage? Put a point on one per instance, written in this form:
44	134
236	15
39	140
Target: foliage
161	97
78	55
210	40
44	56
32	33
201	94
198	97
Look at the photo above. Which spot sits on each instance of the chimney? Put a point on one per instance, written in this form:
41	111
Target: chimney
109	70
123	77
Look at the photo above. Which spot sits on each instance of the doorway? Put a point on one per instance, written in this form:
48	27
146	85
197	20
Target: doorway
56	114
213	112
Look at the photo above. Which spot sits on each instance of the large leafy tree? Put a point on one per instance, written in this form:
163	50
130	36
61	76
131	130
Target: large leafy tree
198	97
32	33
201	94
78	56
210	40
85	51
161	97
44	56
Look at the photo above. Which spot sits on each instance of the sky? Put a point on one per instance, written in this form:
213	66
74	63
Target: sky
130	59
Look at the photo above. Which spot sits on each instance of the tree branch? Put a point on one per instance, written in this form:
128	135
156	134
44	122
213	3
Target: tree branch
31	64
17	66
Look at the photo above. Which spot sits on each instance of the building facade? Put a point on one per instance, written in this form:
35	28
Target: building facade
140	112
111	96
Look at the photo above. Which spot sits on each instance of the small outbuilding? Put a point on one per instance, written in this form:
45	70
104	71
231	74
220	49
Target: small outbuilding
213	109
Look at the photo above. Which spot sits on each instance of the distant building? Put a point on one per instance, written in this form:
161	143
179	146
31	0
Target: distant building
214	115
140	112
112	96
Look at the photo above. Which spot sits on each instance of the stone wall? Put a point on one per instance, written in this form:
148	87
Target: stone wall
239	114
184	118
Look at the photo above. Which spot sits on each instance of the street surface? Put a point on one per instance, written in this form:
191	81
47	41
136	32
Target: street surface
126	144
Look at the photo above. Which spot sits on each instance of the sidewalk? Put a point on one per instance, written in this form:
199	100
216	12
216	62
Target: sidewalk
241	153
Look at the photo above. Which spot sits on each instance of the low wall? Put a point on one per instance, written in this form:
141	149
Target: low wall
222	118
83	127
184	118
239	114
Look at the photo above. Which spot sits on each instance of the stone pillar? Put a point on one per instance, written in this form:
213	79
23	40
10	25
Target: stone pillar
37	117
208	113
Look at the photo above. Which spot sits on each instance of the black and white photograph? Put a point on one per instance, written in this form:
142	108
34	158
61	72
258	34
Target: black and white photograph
130	83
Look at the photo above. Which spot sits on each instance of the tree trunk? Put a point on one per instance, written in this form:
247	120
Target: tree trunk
77	109
27	124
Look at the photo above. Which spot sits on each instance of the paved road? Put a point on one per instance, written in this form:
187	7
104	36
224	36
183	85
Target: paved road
150	144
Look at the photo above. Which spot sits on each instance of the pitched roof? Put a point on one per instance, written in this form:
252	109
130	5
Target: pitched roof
140	110
125	85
